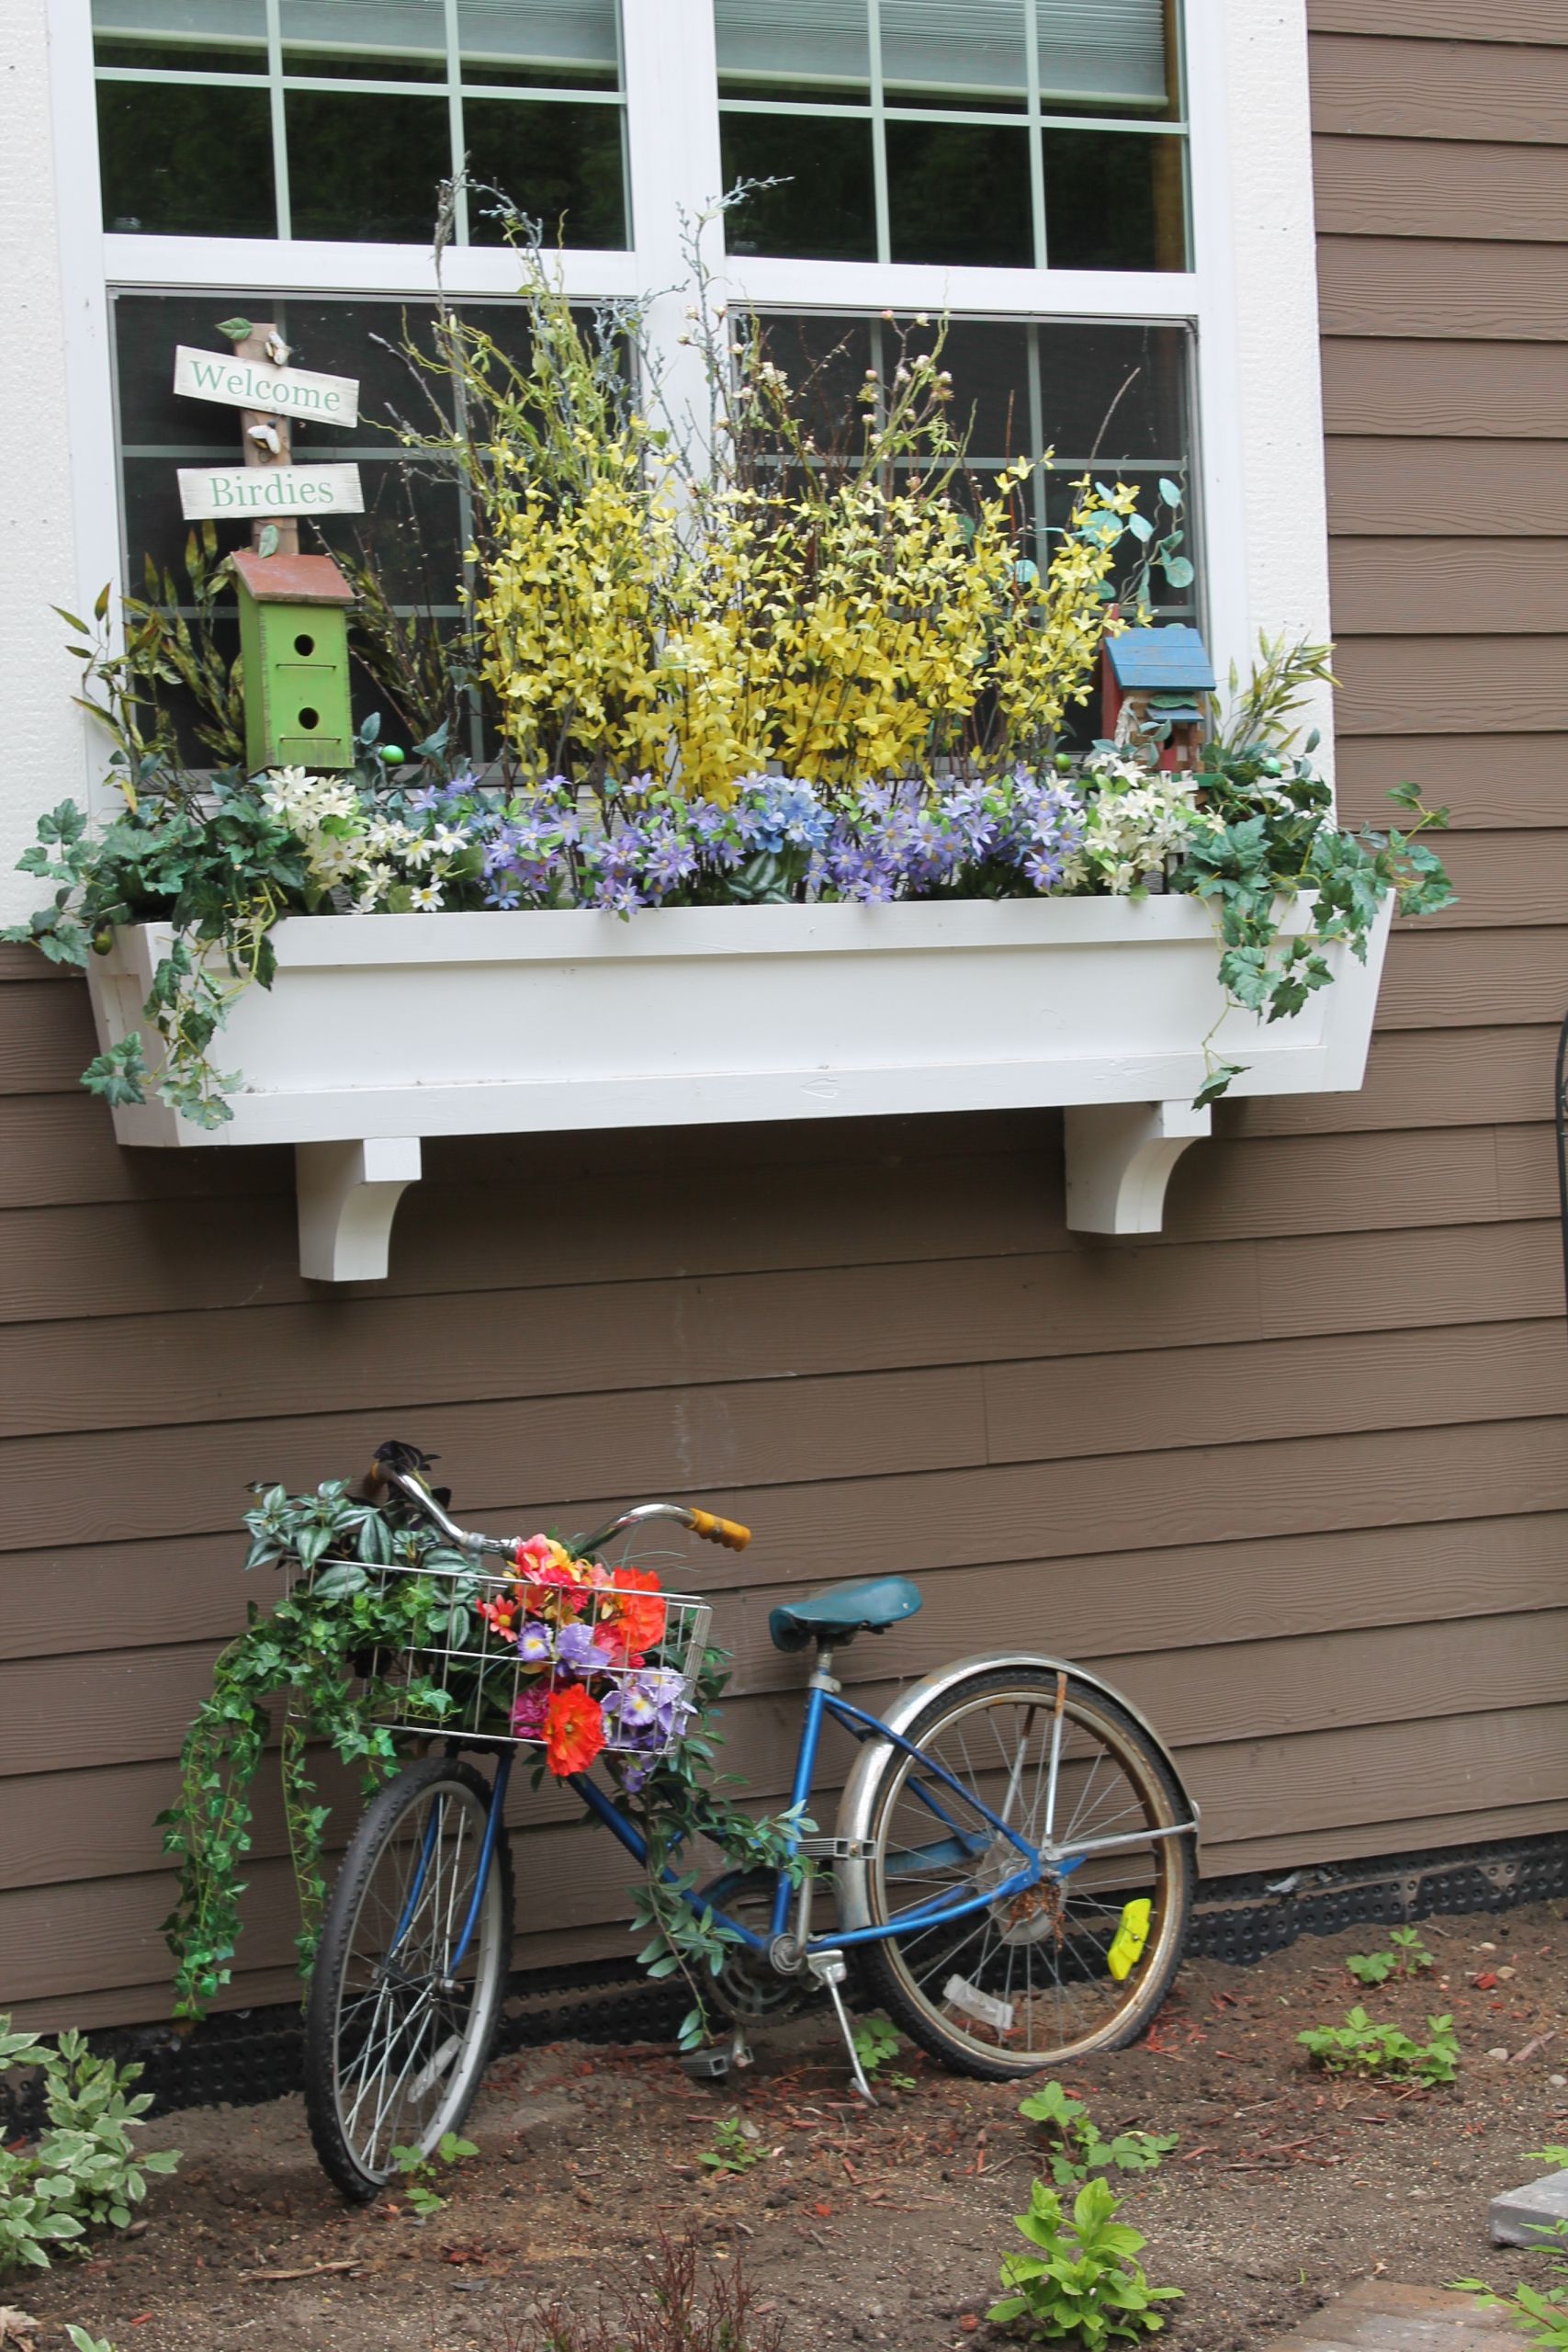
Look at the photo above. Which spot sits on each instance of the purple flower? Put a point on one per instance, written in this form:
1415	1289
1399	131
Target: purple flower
648	1709
576	1648
533	1643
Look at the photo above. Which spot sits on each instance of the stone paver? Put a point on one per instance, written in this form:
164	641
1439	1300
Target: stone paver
1378	2317
1518	2218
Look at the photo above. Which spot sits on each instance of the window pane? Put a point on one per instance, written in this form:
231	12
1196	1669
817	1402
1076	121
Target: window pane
366	169
1111	56
549	43
825	208
560	164
959	192
1109	400
823	45
366	41
186	160
1114	200
206	36
971	50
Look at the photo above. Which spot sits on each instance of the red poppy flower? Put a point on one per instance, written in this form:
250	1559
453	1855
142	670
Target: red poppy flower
638	1617
574	1731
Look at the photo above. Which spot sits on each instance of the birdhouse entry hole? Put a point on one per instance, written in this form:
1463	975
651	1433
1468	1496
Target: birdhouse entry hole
308	717
304	643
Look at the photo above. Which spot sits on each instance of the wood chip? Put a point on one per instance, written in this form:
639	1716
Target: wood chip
1531	2047
314	2270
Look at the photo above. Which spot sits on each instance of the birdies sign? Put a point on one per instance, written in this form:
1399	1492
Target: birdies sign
268	490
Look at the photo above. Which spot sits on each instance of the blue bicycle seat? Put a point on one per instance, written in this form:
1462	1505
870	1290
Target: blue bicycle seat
868	1606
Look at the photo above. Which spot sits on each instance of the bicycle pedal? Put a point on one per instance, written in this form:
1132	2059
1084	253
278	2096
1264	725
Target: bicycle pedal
707	2065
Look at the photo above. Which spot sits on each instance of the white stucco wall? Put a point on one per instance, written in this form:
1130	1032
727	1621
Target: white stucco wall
44	748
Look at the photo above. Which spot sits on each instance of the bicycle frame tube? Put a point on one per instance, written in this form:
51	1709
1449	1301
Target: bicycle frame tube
863	1727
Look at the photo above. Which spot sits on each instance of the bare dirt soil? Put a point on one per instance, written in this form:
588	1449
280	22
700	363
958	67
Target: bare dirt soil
882	2227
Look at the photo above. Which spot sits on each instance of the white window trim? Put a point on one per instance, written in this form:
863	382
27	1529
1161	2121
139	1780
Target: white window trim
1252	298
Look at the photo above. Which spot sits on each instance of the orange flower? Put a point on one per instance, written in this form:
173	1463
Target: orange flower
574	1731
637	1617
550	1580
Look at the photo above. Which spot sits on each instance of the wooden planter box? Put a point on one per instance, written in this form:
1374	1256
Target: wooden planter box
382	1029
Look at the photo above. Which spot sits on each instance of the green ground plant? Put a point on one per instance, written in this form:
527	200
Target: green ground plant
877	2042
1407	1956
1543	2318
1077	2148
1362	2047
83	2172
1083	2283
419	2172
737	2147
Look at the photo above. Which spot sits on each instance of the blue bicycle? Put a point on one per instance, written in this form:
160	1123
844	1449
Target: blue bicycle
1009	1874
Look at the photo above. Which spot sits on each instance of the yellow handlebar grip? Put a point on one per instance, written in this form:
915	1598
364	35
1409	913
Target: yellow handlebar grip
714	1529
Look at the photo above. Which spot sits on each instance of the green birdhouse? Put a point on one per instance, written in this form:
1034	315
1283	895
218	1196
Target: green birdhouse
294	641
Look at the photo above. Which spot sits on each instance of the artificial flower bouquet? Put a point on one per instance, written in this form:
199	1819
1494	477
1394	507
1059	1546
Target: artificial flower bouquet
565	1655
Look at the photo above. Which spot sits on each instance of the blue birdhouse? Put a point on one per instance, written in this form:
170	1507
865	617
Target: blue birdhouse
1151	683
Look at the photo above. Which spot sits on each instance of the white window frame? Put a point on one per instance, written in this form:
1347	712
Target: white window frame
1251	294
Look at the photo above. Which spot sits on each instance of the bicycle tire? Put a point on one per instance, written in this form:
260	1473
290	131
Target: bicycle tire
907	1984
352	1971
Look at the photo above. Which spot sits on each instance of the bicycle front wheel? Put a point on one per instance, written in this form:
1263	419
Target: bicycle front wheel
1072	1964
399	2026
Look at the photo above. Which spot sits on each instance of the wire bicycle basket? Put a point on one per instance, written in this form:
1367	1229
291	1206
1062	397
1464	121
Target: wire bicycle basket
551	1653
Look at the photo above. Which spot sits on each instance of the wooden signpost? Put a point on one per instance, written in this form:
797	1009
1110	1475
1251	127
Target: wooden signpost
269	488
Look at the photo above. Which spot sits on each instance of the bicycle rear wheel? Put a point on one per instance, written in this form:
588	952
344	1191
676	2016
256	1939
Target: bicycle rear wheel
397	2027
1028	1982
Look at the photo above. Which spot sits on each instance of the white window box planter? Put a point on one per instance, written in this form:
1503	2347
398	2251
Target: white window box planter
382	1029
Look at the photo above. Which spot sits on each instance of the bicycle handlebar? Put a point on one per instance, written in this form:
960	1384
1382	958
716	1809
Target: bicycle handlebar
400	1467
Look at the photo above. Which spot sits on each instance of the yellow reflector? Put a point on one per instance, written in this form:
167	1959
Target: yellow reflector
1127	1944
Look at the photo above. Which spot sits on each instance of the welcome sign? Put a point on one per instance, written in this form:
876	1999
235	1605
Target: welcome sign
272	392
255	493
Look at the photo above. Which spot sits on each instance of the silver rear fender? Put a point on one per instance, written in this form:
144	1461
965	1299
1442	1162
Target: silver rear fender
858	1804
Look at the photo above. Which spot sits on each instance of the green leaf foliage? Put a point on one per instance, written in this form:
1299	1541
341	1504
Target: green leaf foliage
83	2172
1082	2283
1362	2047
1075	2147
1540	2319
1268	840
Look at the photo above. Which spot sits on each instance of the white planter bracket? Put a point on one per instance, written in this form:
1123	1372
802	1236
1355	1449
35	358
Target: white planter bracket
349	1195
525	1023
1120	1157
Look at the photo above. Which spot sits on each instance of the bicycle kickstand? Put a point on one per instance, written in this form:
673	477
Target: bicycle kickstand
829	1969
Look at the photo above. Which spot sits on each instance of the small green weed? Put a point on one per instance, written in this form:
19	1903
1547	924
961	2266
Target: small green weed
1543	2318
1359	2047
1408	1957
1557	2157
85	2343
737	2146
1084	2282
419	2171
876	2042
83	2170
1077	2148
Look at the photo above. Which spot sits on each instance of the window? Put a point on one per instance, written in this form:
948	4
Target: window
1054	176
335	120
1026	133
